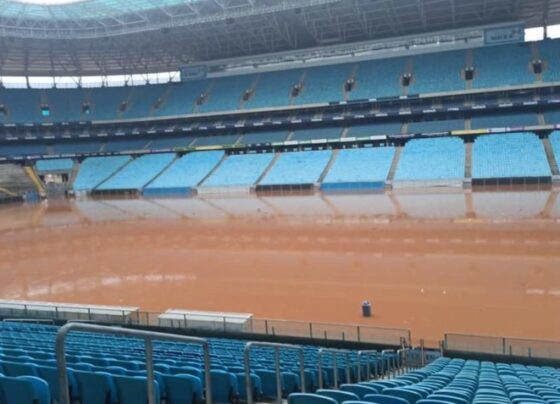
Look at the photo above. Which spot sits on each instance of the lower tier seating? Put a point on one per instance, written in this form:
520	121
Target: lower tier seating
298	168
103	368
54	166
138	172
95	170
509	156
437	159
359	168
241	170
185	173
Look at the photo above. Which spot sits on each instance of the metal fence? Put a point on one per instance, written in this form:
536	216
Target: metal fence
511	346
256	326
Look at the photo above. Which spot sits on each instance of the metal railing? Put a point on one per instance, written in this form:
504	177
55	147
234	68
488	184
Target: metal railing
334	353
317	331
277	348
148	337
508	346
368	353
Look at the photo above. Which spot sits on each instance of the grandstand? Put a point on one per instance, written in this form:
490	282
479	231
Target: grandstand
301	201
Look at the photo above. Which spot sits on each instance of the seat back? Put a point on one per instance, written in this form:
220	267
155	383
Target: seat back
14	369
133	390
306	398
95	387
268	382
338	395
358	389
24	390
382	399
182	389
224	386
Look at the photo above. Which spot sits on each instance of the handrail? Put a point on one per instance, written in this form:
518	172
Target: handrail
368	353
335	367
148	337
277	347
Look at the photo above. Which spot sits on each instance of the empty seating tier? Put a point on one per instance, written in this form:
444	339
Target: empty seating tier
239	171
297	169
54	166
356	169
437	161
184	174
139	172
513	155
95	170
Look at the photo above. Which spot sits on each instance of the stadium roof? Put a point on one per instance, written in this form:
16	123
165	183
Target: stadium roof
101	37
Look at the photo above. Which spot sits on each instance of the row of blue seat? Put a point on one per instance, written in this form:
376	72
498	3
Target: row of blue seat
495	66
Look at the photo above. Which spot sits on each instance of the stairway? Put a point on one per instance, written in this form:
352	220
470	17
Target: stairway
268	168
332	160
550	157
394	165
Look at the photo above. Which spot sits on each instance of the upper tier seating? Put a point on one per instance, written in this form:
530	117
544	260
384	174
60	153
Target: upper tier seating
54	165
436	126
379	78
75	147
169	143
220	140
494	66
297	168
324	84
122	145
141	100
389	128
94	170
65	105
508	156
510	120
502	66
441	76
185	173
263	137
19	149
239	170
436	159
552	117
319	133
105	103
138	172
226	93
181	97
368	166
550	54
274	89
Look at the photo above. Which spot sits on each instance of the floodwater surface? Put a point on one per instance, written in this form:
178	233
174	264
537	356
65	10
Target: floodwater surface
480	263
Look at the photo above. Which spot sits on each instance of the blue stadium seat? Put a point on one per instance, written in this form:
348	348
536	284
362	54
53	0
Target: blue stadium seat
509	156
96	387
297	168
224	386
365	168
360	390
307	398
431	160
183	389
338	395
24	390
239	170
133	390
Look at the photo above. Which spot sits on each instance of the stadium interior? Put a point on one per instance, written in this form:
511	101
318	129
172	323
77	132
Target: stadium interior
199	199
